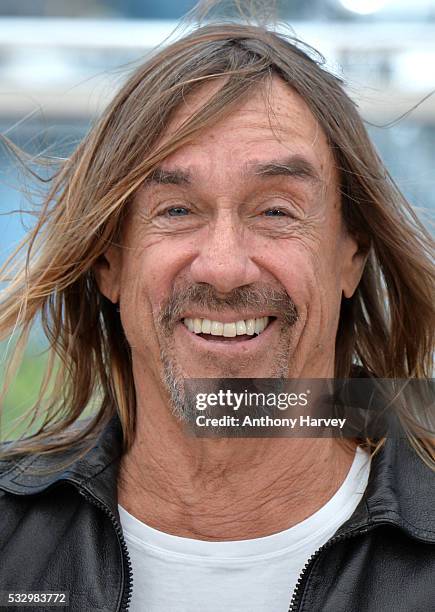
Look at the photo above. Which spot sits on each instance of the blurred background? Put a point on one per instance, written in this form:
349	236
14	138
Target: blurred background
61	62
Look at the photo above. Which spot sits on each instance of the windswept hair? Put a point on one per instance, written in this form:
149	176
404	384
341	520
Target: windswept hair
388	324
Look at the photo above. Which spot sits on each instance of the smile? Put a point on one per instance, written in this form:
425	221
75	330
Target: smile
243	327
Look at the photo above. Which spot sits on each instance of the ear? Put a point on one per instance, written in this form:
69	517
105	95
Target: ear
353	260
107	271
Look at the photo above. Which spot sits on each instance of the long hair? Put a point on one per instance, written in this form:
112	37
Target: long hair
388	324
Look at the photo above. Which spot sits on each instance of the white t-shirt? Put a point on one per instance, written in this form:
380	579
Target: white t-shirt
177	574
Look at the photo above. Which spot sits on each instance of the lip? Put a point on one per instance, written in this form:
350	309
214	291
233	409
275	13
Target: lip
228	348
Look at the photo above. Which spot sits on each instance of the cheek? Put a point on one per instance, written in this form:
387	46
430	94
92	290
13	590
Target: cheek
309	275
148	275
294	266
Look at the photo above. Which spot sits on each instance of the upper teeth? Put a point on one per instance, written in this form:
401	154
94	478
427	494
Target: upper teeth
229	330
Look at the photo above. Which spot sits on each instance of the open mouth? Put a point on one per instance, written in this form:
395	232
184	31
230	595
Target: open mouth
235	331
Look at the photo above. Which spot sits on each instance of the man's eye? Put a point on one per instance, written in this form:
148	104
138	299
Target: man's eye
275	212
176	211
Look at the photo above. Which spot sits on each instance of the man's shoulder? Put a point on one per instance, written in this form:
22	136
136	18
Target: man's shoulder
12	465
33	472
89	467
401	489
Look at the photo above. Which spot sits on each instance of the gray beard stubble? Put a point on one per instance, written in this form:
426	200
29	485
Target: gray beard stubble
202	294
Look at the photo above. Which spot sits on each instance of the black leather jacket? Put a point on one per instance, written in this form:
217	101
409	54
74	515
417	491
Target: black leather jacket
61	532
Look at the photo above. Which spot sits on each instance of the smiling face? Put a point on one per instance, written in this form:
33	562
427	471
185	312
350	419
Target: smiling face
234	254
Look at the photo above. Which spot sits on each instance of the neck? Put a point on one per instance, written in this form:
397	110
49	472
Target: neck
225	489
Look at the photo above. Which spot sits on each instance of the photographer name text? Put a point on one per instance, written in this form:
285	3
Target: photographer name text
267	421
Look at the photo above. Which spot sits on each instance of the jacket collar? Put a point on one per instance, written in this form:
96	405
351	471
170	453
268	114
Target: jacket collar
400	491
96	470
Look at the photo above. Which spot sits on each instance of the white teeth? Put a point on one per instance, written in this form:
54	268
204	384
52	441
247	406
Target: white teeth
241	328
228	330
250	327
217	329
189	324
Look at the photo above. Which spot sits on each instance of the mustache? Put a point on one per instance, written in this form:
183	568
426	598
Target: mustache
261	298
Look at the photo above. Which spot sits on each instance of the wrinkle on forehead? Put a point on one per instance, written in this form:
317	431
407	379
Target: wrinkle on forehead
274	113
285	109
292	117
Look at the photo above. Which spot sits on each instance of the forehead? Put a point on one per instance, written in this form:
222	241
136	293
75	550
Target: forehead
273	122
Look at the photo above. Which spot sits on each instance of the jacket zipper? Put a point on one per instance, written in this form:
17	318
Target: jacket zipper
302	580
298	591
127	584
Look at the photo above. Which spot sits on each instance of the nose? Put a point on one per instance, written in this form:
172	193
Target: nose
223	259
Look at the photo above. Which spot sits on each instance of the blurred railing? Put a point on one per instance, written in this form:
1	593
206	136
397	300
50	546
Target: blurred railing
71	67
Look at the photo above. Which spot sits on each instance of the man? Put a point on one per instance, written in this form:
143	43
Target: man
226	218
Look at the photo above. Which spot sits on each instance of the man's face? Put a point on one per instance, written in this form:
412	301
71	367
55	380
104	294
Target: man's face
237	230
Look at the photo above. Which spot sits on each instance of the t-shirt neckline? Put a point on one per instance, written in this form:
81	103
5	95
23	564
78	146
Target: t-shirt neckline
335	512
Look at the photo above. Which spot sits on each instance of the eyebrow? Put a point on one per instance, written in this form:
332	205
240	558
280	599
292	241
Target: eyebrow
295	166
169	177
